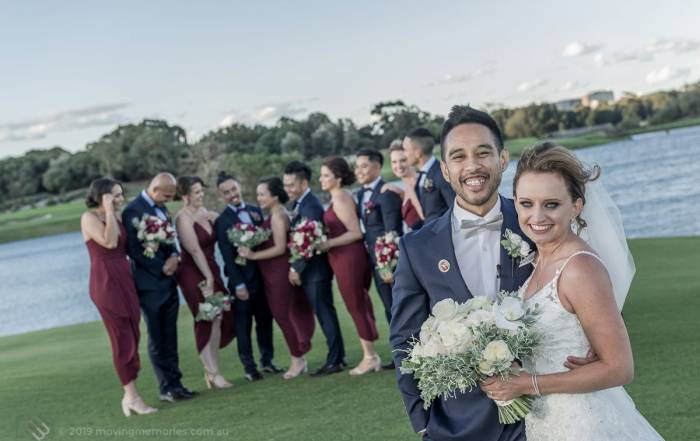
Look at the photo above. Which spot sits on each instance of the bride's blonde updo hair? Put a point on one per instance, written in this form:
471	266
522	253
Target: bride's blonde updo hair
547	157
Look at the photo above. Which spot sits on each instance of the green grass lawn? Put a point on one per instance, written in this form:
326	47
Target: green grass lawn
64	377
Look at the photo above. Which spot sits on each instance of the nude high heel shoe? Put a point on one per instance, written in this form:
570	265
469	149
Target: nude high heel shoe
372	364
289	374
138	406
216	381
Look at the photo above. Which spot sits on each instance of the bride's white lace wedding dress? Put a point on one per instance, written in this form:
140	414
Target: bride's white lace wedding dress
605	415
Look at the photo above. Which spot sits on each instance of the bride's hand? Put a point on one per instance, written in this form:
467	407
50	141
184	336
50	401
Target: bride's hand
500	390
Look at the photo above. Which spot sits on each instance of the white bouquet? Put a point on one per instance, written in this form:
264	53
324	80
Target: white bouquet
461	344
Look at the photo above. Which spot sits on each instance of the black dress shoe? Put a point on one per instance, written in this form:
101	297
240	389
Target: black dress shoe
182	393
254	376
328	370
389	366
272	369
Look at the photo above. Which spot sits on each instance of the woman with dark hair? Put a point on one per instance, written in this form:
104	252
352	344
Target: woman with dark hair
348	258
411	210
288	304
112	286
195	230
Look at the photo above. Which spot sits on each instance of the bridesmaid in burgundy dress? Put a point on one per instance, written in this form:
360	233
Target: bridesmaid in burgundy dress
348	258
112	286
290	308
195	230
411	210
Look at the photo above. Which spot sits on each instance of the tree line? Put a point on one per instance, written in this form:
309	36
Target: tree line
134	152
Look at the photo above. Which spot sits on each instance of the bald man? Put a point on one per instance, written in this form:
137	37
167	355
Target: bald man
156	286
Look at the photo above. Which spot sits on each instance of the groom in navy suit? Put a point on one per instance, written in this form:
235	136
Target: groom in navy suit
458	256
245	282
156	287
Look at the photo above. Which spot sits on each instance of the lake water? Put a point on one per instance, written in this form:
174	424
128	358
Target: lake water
653	178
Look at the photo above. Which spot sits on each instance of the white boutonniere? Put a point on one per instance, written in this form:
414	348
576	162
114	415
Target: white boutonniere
517	248
428	184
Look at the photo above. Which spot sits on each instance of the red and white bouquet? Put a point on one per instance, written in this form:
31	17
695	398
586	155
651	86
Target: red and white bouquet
247	235
304	239
153	231
386	252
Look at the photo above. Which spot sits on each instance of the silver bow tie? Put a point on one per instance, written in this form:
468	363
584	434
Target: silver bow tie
471	227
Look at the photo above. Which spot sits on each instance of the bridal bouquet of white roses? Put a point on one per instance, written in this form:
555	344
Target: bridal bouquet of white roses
461	344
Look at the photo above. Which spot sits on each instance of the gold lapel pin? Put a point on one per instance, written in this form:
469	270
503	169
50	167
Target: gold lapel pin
444	266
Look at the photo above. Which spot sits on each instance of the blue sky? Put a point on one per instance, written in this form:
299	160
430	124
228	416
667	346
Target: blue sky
72	71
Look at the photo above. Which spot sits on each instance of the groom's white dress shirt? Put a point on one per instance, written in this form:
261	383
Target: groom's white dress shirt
478	255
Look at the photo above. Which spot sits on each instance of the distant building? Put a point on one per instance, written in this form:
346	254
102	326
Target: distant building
568	104
594	99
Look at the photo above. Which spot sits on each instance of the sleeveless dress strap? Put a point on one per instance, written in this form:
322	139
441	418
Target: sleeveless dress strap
561	268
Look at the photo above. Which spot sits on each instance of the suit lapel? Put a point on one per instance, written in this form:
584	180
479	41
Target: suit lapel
508	264
446	251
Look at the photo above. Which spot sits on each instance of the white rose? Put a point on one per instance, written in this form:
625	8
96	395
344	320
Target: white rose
486	367
525	249
477	303
433	348
298	238
161	234
445	310
246	236
497	352
516	240
205	307
480	317
508	313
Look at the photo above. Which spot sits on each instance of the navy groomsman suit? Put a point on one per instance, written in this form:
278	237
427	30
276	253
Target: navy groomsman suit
157	294
434	192
428	271
316	281
246	276
380	213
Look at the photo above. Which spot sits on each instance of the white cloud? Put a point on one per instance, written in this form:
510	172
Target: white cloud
86	117
665	74
527	86
577	49
268	113
677	46
461	78
572	85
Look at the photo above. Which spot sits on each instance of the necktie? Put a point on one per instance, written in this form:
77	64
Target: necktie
419	187
471	227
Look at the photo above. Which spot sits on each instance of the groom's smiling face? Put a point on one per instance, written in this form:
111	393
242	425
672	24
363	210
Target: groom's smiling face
473	165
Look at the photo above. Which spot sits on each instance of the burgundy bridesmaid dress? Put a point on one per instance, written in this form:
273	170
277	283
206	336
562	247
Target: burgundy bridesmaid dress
409	214
288	304
189	277
353	272
113	292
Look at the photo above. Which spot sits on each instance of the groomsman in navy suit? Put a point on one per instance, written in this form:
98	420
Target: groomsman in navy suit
458	256
434	192
245	282
157	288
379	212
314	275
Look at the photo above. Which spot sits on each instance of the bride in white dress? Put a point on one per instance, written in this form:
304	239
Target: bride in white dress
579	313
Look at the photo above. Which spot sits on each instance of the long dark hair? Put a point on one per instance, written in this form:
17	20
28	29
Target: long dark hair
340	169
185	184
276	188
98	188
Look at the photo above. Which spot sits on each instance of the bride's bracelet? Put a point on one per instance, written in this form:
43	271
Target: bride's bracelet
535	385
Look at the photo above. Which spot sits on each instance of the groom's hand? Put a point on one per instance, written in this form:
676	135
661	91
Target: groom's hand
576	362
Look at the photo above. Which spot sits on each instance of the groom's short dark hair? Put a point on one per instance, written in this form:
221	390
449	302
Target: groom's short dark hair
469	115
298	169
223	177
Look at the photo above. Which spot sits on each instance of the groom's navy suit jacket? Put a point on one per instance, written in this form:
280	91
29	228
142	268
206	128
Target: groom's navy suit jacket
420	284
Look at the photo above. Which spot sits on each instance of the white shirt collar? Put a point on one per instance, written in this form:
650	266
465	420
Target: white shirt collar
373	185
234	208
427	165
459	214
303	195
